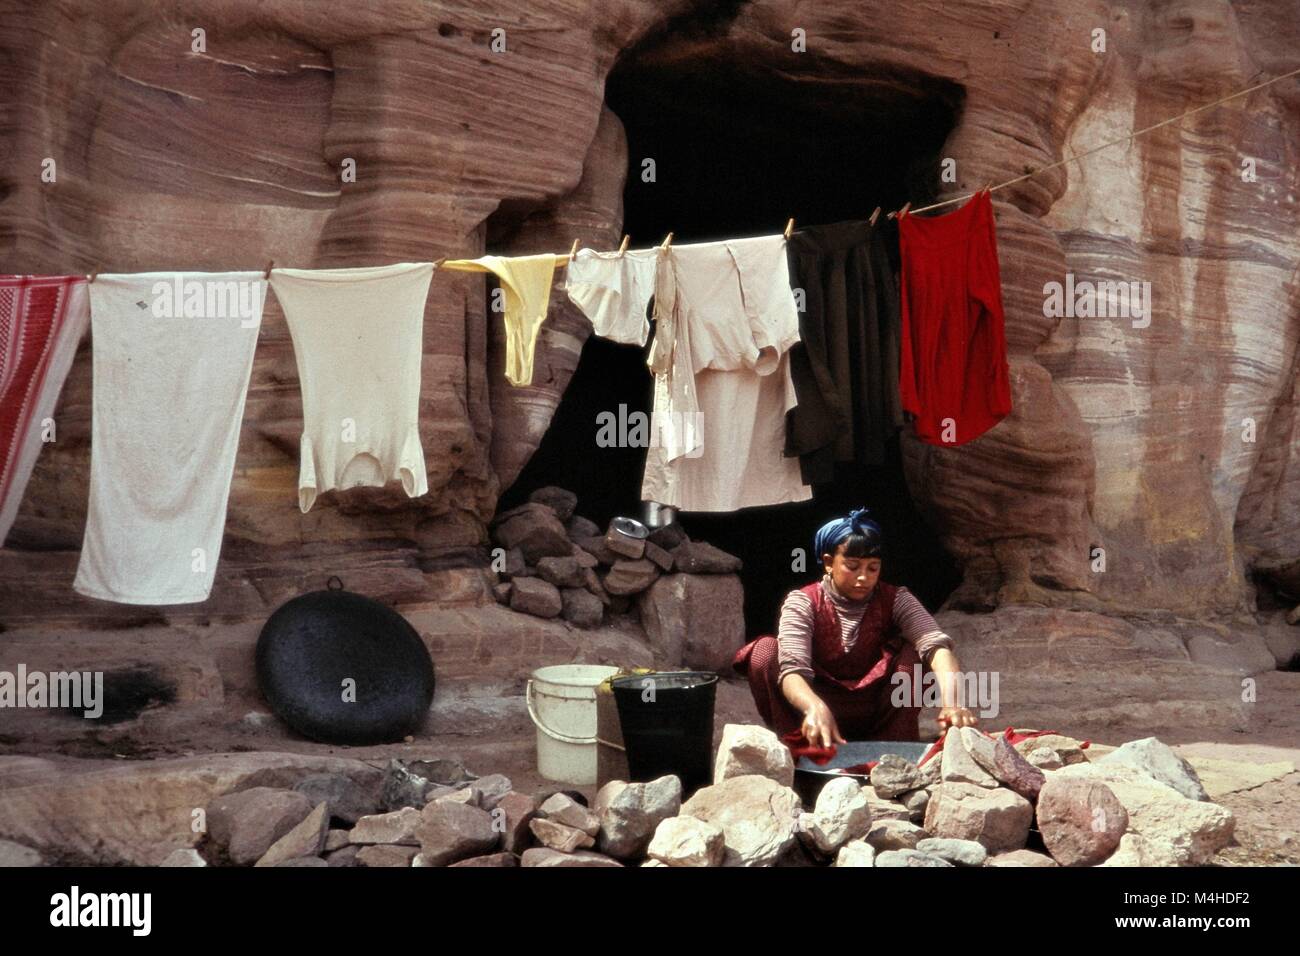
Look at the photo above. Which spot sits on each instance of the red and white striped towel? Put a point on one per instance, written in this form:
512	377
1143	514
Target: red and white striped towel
42	318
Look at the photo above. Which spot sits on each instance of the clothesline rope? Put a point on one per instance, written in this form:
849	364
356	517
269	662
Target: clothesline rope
1115	142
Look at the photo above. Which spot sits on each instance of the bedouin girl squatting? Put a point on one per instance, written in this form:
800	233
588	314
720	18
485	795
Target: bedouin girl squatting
827	672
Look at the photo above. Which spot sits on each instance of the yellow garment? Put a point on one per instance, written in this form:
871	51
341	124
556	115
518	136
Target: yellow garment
527	284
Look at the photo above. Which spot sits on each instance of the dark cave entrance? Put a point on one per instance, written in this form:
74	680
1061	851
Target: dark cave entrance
737	152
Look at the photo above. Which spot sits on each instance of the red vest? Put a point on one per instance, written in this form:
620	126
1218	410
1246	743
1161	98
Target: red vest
872	655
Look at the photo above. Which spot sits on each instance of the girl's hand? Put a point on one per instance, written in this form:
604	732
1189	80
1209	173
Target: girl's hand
956	717
819	727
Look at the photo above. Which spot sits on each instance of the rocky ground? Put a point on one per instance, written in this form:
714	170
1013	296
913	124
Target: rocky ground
1251	773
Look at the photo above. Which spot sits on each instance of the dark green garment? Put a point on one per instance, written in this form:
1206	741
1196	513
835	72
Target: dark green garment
845	369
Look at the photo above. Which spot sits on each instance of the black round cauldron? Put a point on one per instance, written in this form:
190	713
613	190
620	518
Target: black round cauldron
314	643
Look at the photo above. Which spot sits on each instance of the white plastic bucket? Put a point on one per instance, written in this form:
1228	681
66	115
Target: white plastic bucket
562	703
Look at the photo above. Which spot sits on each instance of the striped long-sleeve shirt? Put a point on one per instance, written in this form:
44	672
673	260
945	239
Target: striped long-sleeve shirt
794	636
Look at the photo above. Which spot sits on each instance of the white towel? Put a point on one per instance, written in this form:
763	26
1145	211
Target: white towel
172	353
358	335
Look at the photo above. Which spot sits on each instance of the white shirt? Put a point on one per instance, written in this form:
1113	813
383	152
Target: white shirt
358	338
726	319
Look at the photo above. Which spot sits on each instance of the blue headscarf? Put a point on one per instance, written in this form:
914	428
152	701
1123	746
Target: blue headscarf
829	535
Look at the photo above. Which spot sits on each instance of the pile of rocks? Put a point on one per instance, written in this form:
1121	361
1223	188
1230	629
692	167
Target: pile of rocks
551	562
429	813
982	802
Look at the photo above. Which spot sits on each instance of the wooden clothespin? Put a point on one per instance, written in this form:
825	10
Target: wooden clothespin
668	241
900	213
572	252
875	215
437	263
789	228
622	248
269	266
94	272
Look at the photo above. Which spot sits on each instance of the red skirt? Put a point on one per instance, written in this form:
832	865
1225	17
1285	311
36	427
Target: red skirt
865	714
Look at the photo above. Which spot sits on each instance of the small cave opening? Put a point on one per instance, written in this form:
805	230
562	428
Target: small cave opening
738	148
127	693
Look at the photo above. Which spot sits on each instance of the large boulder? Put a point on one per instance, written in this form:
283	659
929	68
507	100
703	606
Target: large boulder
397	826
453	831
956	852
841	814
245	824
758	817
1014	771
856	853
630	576
882	809
563	572
1136	850
694	621
1158	760
999	819
489	790
563	809
557	836
894	835
892	776
687	841
1081	821
1191	830
581	608
536	597
959	764
534	530
749	749
630	814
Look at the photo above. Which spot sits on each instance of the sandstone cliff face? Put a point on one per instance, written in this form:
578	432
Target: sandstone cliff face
1125	439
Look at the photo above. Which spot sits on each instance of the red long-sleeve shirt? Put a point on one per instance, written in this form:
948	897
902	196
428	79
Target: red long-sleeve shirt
953	375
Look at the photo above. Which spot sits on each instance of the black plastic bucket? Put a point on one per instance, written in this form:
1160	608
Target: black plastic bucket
667	722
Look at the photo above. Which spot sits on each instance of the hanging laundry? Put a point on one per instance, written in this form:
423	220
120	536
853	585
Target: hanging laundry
358	335
526	282
953	374
725	321
42	318
845	369
675	407
614	290
172	353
